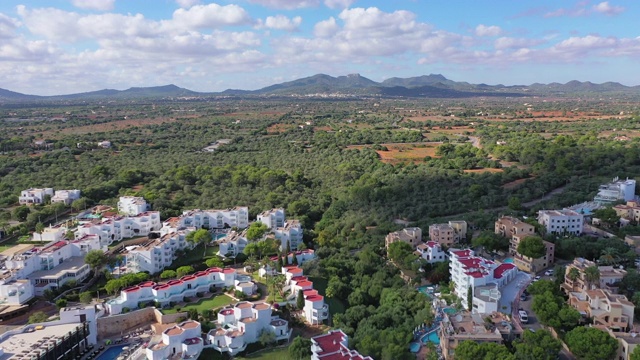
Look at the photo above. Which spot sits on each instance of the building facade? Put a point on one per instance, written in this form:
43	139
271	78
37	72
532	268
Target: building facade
334	345
290	235
183	341
273	218
33	196
431	252
132	205
65	196
610	277
616	190
605	309
411	236
561	221
237	217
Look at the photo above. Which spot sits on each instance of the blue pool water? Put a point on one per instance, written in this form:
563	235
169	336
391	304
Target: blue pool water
111	353
508	260
218	236
414	347
431	337
423	289
450	310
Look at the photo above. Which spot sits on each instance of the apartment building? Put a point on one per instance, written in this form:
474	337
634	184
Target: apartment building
242	323
33	196
443	234
65	196
183	341
608	310
315	310
273	218
290	235
156	254
411	236
334	345
176	290
616	190
629	211
509	227
627	343
237	217
431	252
470	271
609	277
232	244
561	221
132	205
529	264
110	227
464	326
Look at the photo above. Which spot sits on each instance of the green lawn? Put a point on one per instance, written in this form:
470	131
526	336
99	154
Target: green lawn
194	256
203	304
335	305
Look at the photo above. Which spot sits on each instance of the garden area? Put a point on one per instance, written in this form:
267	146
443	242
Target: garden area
203	304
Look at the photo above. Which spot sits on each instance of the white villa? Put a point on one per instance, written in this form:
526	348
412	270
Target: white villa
315	310
176	290
616	190
34	196
232	244
482	276
215	219
156	254
334	345
242	324
183	339
432	252
273	218
112	228
290	235
561	221
65	196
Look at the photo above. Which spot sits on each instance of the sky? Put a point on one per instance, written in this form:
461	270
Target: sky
52	47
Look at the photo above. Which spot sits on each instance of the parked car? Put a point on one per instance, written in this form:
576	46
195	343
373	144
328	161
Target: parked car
548	273
523	297
537	278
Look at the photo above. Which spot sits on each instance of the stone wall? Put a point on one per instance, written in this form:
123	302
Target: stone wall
117	325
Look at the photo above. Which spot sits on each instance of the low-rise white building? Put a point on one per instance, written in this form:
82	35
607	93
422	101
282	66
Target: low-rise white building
237	217
33	196
616	190
242	323
334	345
561	221
432	252
315	310
132	205
232	244
113	228
469	271
183	341
290	235
65	196
15	292
273	218
176	290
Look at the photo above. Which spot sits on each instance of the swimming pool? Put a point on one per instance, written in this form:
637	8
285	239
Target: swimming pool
414	347
508	261
423	289
450	311
431	337
218	236
111	353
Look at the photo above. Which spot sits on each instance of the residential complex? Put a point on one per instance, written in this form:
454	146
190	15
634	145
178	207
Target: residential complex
469	271
609	277
516	230
65	196
34	196
607	310
431	252
132	205
315	310
334	345
111	227
176	290
509	227
629	211
627	343
411	236
290	235
232	244
242	323
467	326
616	190
183	340
561	221
155	254
447	234
273	218
237	217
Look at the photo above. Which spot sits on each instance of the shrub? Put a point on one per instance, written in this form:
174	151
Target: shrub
199	294
125	310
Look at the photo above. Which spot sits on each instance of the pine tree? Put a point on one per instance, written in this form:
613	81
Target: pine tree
300	300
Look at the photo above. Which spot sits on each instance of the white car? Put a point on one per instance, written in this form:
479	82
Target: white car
536	278
548	273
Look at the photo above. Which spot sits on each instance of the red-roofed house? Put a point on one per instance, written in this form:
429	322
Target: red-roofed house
432	252
334	346
469	271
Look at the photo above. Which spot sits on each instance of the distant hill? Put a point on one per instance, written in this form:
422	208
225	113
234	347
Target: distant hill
426	86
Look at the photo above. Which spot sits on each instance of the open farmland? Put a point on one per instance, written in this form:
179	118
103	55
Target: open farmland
409	152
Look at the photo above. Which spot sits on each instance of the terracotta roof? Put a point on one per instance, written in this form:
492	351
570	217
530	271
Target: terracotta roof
500	270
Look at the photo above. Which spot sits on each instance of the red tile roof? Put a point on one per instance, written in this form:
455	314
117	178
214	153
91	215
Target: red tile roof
330	342
500	270
462	253
315	298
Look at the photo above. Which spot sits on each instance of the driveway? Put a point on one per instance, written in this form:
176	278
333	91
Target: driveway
511	291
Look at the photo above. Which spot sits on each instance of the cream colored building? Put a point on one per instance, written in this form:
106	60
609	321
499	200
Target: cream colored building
609	277
611	311
463	326
509	227
529	264
411	236
630	210
627	343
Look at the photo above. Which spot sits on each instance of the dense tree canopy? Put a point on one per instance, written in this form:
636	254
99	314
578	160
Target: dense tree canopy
471	350
532	246
588	343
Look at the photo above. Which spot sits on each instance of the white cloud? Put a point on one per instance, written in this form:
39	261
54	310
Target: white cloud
286	4
187	3
102	5
338	4
326	28
608	9
210	16
484	30
281	22
515	43
8	26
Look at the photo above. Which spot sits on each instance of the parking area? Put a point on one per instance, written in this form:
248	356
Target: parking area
511	290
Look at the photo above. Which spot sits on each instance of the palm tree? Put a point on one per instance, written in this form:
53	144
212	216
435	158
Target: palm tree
591	275
573	274
39	229
609	256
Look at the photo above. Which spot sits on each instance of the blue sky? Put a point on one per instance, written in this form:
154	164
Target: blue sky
67	46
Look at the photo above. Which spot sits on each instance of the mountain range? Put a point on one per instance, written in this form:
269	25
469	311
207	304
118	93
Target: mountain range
426	86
